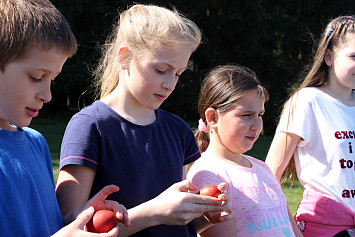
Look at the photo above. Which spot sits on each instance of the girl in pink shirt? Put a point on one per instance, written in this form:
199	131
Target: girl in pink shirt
231	107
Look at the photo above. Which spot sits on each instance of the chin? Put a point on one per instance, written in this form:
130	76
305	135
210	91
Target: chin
23	123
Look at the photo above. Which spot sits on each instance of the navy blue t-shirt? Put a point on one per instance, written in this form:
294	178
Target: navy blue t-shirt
142	160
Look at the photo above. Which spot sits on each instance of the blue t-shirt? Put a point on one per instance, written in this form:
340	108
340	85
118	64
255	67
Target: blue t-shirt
142	160
28	204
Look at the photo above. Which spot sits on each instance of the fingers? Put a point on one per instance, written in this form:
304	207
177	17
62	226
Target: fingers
222	187
227	215
107	190
113	232
184	185
84	217
120	210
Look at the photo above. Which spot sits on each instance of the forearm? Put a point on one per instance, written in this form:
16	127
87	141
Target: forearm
140	217
295	228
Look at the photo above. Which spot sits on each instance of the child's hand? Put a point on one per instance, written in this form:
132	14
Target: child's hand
76	228
218	217
99	202
175	206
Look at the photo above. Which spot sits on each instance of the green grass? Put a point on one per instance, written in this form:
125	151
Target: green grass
53	131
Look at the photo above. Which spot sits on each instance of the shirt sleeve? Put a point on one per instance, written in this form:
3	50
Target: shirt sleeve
297	117
81	142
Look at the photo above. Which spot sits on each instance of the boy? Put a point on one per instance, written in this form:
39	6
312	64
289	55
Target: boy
35	42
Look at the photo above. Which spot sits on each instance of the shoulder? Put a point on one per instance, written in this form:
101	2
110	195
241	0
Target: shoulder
254	160
257	163
204	163
305	95
36	139
97	110
173	121
171	118
309	94
95	115
34	135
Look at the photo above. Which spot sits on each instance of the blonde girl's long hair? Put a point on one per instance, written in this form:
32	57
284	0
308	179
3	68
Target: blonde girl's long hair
140	28
221	89
334	34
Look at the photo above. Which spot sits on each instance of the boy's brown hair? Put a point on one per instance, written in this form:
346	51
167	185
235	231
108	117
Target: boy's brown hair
27	24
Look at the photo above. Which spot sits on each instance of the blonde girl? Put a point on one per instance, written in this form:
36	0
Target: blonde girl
316	135
231	107
125	139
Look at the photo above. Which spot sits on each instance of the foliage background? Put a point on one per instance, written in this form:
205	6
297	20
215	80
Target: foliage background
275	38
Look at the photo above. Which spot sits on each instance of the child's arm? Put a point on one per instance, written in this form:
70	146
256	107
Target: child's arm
281	150
295	228
175	206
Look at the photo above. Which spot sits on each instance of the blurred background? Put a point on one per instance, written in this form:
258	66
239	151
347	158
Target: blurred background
275	38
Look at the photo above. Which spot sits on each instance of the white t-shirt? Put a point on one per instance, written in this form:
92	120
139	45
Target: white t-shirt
258	202
325	157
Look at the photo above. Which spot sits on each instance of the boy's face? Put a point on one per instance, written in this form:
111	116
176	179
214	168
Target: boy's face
25	86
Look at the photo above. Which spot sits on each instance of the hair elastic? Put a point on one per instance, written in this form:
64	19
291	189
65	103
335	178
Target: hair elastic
202	126
328	32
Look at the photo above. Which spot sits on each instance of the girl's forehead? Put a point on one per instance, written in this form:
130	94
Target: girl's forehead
348	41
176	55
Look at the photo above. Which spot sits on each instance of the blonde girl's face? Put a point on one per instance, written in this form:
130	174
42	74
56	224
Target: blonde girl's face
240	126
342	65
153	77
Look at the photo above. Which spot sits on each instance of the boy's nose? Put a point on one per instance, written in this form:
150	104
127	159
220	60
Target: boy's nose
45	93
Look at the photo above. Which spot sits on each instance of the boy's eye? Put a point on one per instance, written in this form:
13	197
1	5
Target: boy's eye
35	78
159	71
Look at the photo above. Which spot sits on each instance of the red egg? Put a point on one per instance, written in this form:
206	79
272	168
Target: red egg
102	222
210	190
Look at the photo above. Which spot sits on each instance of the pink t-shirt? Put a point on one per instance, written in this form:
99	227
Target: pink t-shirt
258	202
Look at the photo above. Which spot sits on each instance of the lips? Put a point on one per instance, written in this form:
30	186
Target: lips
32	112
251	138
160	97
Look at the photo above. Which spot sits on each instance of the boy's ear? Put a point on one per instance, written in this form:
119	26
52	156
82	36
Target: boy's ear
212	117
124	57
328	58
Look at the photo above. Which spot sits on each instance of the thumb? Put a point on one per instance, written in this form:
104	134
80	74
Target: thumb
185	185
104	192
84	217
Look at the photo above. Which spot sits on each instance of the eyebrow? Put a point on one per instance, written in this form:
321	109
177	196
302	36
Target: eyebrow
171	66
253	111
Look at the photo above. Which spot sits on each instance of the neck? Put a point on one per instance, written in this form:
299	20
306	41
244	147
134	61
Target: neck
121	105
220	152
344	95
